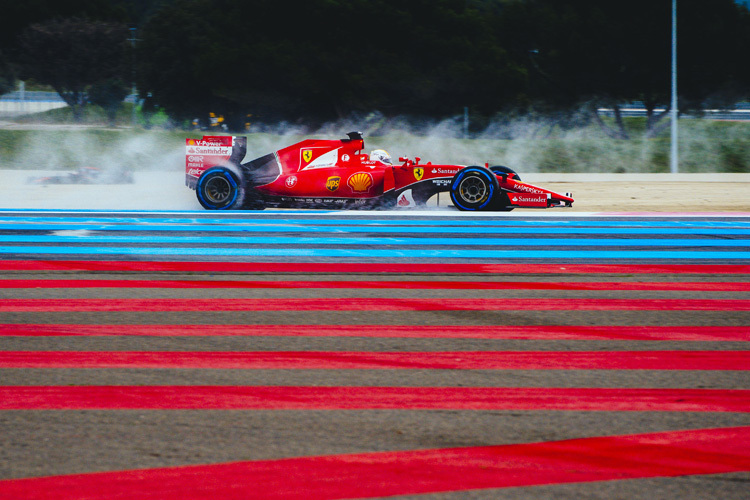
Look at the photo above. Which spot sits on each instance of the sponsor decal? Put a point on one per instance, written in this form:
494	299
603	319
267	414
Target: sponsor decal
195	172
332	184
418	173
195	158
446	171
527	188
406	199
345	158
291	181
210	143
307	155
531	199
214	150
361	182
325	160
441	182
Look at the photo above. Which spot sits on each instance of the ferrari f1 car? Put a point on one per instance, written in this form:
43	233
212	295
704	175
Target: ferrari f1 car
339	174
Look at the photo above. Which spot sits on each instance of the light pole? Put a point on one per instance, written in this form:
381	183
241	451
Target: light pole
674	153
134	90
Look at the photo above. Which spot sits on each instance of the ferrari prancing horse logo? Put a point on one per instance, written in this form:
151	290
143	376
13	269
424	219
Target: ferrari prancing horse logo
418	173
307	155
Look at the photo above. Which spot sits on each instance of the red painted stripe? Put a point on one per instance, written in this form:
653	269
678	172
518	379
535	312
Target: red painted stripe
368	398
325	360
419	285
363	268
526	332
370	304
368	475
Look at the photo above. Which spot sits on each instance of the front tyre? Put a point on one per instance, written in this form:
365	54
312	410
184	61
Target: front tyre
474	188
502	203
500	170
219	189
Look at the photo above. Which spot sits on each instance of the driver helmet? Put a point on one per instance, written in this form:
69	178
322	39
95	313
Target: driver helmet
380	155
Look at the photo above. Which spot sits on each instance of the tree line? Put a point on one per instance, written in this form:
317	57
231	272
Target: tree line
319	60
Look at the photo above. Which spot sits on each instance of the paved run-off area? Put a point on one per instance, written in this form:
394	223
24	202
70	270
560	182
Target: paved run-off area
523	355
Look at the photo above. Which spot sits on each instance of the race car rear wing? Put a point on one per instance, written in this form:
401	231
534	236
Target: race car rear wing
210	151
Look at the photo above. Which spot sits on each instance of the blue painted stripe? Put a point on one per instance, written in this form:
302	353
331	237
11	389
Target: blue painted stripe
398	221
372	229
365	240
377	253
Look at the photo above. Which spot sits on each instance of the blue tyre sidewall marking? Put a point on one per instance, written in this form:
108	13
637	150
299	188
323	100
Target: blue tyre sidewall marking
231	180
457	181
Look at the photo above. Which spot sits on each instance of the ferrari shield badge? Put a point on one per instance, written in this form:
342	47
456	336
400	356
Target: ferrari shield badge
332	184
418	173
307	155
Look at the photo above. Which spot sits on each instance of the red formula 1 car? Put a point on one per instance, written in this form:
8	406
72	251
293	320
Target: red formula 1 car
338	174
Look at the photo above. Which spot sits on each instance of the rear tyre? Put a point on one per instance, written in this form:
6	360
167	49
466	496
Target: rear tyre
474	188
219	189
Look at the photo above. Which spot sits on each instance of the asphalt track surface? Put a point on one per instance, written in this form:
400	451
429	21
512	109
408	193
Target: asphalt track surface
429	355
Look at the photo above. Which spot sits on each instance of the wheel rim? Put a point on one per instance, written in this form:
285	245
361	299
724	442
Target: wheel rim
473	189
218	189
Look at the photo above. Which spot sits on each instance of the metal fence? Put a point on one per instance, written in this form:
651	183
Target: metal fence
20	102
741	111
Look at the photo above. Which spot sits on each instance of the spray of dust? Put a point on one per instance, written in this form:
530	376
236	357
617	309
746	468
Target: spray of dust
89	169
156	158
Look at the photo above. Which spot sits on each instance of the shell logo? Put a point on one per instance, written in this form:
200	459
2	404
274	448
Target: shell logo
361	182
191	142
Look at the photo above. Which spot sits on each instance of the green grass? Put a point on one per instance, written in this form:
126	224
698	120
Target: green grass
94	115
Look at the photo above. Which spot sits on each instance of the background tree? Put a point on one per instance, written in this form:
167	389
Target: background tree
588	52
17	16
109	94
72	54
7	76
317	60
326	59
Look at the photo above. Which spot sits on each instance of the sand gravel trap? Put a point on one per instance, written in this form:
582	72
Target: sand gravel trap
592	192
657	196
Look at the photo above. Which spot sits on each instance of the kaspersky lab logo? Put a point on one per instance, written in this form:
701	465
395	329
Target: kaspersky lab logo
332	184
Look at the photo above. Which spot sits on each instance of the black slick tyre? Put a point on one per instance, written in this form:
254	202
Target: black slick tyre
502	202
500	170
474	188
219	189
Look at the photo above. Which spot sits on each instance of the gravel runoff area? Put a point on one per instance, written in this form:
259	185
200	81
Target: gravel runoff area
651	192
165	190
